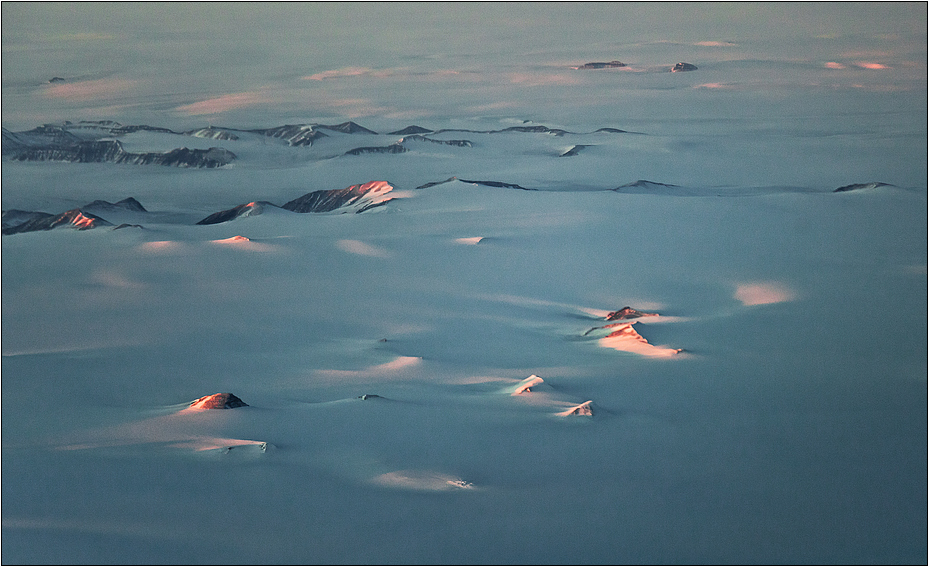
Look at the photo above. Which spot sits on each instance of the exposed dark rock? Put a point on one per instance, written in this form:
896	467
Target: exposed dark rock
644	184
585	409
599	65
211	133
683	67
409	130
127	225
418	138
218	401
370	397
347	128
293	134
497	184
111	151
628	313
536	130
361	197
16	217
128	204
391	149
253	208
47	136
73	218
611	130
56	80
859	186
434	183
574	150
527	129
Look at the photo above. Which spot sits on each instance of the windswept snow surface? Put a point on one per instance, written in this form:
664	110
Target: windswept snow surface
435	380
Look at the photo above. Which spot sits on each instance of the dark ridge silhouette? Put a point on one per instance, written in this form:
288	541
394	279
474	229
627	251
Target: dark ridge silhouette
74	218
293	134
129	204
599	65
419	138
860	186
347	128
497	184
644	184
391	149
409	130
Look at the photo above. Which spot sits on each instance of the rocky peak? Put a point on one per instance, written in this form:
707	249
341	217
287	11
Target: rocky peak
218	401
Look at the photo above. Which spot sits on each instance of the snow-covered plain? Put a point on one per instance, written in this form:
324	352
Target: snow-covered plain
417	376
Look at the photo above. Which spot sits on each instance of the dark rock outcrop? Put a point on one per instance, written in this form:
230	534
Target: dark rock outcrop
48	136
63	147
347	128
248	209
628	313
600	65
574	150
293	134
434	183
645	184
585	409
16	217
56	80
527	129
418	138
218	401
211	133
128	204
74	218
391	149
860	186
497	184
410	130
683	67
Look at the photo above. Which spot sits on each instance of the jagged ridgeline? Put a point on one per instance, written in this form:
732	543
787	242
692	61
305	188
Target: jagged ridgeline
97	141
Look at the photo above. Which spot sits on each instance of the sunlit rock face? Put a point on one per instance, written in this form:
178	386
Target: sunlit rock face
359	198
218	401
683	67
628	313
600	65
43	221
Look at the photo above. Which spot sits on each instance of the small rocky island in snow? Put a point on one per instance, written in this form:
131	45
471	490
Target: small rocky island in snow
218	401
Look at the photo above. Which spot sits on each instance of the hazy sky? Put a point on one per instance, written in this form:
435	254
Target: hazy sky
188	62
